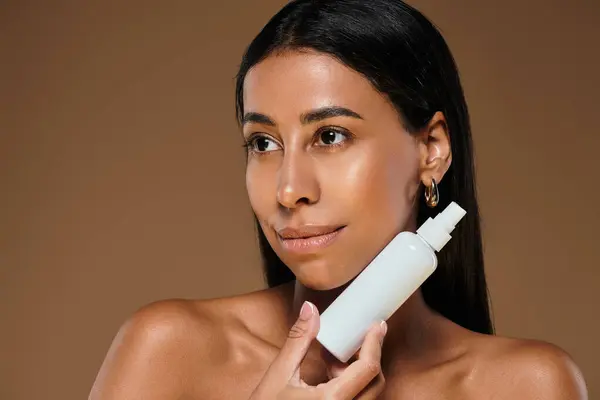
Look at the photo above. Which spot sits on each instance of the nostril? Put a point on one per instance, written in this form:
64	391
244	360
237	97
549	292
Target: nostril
289	205
304	200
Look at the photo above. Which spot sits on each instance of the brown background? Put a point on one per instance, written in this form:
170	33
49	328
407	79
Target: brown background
122	174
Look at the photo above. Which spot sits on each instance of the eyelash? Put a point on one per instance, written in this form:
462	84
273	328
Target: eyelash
249	143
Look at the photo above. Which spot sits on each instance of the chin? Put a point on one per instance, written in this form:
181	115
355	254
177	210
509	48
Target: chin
316	275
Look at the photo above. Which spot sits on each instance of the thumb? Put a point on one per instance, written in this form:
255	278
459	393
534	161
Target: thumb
300	336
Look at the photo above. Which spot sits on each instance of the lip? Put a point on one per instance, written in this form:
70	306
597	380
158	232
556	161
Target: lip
308	238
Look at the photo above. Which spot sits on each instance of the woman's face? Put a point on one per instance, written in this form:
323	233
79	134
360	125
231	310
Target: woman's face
332	174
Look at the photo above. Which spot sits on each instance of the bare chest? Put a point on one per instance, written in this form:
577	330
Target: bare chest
237	382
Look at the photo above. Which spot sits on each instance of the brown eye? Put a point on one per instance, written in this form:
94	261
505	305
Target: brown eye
331	137
262	144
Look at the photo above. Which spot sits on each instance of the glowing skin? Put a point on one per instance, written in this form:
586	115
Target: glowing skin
328	153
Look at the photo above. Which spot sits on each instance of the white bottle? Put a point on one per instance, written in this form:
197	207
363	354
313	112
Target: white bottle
385	284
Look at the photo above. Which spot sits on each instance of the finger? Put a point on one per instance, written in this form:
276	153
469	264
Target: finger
371	347
299	393
300	336
334	366
357	376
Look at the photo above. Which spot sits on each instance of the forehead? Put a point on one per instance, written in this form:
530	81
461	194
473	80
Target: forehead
293	82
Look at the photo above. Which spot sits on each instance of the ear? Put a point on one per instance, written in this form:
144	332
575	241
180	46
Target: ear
435	150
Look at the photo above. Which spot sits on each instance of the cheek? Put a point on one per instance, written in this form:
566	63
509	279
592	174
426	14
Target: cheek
260	185
376	185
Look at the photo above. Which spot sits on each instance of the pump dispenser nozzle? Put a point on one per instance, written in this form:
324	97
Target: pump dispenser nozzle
436	231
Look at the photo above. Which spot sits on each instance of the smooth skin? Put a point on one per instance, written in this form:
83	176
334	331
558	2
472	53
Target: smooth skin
326	149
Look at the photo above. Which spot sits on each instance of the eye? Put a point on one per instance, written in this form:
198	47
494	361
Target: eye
262	144
332	137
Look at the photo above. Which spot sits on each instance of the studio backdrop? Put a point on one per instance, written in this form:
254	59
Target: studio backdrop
122	170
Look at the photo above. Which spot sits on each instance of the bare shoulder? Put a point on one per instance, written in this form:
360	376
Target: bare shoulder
529	369
149	356
173	348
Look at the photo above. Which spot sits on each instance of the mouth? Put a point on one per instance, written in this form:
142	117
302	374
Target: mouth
308	239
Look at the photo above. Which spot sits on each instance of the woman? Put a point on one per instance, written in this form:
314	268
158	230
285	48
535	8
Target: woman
356	128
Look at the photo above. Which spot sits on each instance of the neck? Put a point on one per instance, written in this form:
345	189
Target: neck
410	332
320	298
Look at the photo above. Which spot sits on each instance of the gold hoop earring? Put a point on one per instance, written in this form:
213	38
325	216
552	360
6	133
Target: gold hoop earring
432	194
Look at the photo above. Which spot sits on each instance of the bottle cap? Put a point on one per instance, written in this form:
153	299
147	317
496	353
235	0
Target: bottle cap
436	231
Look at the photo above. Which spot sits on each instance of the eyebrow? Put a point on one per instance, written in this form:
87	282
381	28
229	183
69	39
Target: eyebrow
309	117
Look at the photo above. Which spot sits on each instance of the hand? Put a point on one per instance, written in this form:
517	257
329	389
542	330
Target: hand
360	378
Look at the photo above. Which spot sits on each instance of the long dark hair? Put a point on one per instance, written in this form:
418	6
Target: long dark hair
404	57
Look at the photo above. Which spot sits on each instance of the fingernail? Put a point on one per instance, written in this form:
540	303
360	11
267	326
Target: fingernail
306	311
383	328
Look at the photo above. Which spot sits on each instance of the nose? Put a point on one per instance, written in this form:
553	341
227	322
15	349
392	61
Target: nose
297	182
